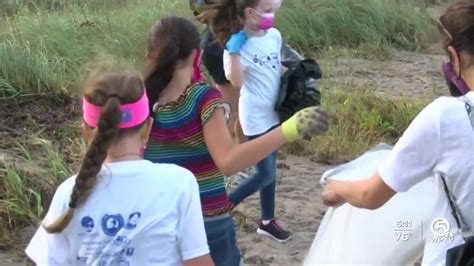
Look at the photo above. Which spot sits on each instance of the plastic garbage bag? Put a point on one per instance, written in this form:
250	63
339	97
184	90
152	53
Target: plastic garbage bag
391	235
299	85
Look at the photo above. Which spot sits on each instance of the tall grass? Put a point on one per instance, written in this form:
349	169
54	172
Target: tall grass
44	52
30	174
370	24
13	7
359	120
46	45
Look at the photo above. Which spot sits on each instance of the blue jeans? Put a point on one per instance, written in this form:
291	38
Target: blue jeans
222	242
264	180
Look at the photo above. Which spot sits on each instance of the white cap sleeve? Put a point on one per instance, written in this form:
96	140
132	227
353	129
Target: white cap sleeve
52	249
416	153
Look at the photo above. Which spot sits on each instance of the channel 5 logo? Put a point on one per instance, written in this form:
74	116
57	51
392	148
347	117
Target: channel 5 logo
441	230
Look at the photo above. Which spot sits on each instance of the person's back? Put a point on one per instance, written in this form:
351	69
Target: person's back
124	220
177	137
107	214
439	141
449	151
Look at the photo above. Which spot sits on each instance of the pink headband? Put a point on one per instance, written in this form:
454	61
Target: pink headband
133	114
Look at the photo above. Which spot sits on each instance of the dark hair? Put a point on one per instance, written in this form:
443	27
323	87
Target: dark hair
108	90
171	39
457	26
225	17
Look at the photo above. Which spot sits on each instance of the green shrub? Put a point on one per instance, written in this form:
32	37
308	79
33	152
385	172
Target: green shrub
359	120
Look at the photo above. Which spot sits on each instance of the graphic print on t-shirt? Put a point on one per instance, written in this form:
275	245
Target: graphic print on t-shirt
133	220
114	251
87	223
270	60
112	224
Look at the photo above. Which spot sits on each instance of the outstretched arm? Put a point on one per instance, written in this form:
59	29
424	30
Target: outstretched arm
231	158
371	193
412	159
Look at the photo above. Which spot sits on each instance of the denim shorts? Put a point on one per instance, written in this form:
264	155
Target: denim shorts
222	241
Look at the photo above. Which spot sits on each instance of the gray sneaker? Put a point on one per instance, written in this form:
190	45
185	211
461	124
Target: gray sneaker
275	231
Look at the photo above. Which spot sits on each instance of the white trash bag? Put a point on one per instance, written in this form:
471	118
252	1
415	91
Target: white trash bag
391	235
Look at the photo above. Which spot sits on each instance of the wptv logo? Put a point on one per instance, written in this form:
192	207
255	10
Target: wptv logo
441	231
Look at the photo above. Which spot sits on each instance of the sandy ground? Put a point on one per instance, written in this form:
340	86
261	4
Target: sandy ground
298	207
406	74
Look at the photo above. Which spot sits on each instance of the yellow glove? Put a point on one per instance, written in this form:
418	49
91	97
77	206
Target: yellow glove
305	123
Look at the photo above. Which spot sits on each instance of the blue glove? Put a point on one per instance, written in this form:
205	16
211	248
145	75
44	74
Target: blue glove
236	41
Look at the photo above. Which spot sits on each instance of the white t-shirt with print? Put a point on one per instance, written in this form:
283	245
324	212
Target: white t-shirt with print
139	213
260	61
440	139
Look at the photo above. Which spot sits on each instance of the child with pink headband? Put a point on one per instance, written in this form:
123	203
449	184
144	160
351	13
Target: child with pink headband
190	129
107	214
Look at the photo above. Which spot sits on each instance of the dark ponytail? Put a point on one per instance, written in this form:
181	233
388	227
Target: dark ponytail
95	156
170	40
161	72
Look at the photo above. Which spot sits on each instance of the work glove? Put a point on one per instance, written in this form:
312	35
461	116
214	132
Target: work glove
236	41
306	123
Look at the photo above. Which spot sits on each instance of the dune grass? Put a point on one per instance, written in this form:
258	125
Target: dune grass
30	174
371	25
47	51
46	45
361	119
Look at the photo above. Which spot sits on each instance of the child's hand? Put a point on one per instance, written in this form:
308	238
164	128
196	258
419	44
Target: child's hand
331	198
305	123
236	41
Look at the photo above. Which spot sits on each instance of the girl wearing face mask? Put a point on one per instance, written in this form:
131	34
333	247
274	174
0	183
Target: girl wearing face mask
439	140
190	130
252	63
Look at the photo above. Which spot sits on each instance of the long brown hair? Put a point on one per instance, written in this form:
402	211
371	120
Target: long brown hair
457	26
170	40
226	17
108	90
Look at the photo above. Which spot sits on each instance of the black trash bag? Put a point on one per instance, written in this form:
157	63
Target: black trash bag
299	85
289	54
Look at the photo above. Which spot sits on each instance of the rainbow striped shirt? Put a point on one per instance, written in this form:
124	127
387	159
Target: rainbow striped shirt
177	137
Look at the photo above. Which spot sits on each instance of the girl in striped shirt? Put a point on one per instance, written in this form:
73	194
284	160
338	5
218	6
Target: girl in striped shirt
190	128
